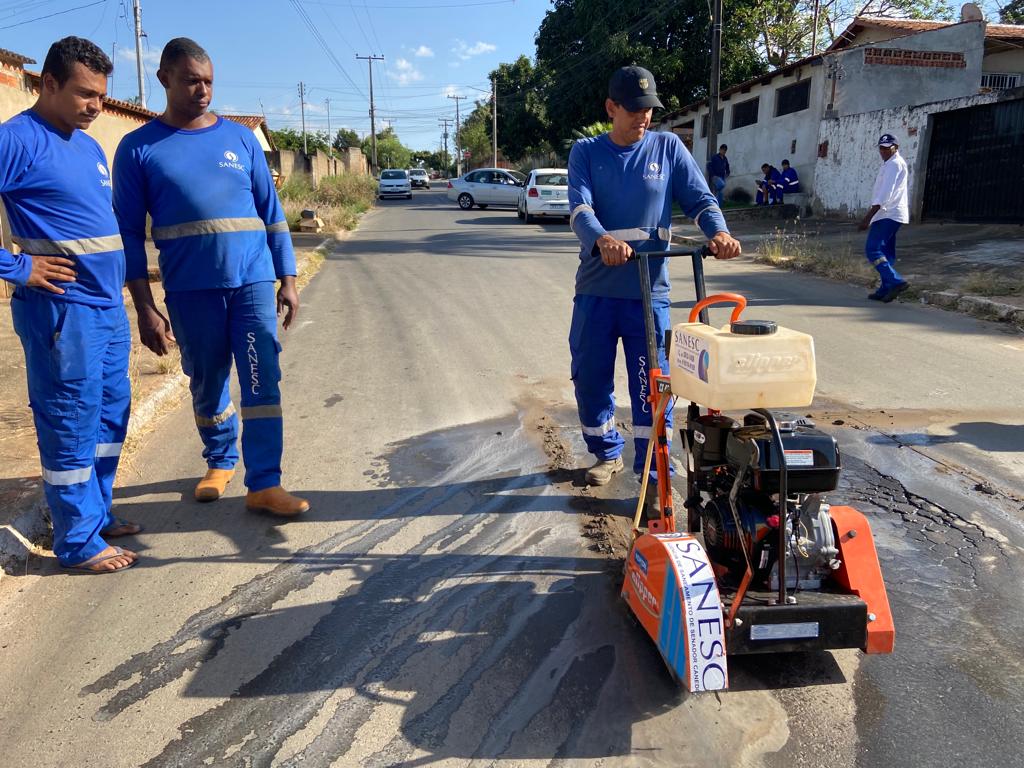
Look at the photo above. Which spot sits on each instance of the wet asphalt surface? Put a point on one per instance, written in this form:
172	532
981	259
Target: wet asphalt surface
451	598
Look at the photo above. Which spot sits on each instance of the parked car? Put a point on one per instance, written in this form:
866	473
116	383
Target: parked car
419	178
484	187
546	193
394	182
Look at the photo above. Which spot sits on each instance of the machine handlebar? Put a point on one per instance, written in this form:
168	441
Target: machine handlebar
720	298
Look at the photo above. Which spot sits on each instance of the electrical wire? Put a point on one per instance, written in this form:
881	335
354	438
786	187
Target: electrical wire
55	13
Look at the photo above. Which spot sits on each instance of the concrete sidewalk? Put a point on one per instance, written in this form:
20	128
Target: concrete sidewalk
976	269
158	385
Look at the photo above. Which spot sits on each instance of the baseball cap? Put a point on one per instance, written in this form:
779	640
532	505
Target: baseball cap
634	89
887	140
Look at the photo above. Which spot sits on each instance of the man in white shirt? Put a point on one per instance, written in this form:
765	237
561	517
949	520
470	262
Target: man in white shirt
889	211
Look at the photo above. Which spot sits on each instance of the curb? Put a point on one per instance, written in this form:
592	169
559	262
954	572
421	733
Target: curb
975	306
31	527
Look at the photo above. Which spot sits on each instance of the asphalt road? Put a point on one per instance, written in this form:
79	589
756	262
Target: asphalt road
451	600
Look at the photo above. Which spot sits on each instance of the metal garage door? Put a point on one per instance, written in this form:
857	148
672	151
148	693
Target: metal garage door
976	164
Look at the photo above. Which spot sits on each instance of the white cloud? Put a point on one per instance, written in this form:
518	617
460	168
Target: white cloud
451	90
149	58
407	73
465	51
423	52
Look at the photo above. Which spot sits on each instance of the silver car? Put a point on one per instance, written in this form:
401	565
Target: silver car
546	193
486	186
394	182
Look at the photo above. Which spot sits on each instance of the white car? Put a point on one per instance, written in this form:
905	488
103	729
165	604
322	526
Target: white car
546	193
419	178
394	182
484	187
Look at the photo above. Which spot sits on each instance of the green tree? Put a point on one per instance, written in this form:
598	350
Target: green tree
475	137
291	138
390	151
522	121
1012	12
346	138
581	42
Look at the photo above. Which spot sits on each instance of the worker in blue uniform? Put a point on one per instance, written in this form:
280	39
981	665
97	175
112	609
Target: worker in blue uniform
223	241
718	170
769	187
622	186
68	309
790	179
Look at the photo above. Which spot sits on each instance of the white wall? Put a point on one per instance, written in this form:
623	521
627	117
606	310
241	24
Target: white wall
845	179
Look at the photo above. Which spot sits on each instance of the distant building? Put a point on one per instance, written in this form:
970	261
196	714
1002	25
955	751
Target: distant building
823	113
258	125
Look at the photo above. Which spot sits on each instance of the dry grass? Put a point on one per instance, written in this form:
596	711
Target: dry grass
797	252
990	284
339	200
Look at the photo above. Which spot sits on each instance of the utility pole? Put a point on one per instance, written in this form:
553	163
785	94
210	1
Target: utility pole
330	138
302	103
716	78
444	138
458	145
494	116
373	123
137	9
814	30
113	57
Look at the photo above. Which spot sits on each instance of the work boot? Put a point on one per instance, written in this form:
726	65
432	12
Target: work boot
877	295
276	501
212	487
894	291
602	472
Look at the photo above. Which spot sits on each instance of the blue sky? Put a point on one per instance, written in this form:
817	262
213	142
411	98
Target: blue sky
262	48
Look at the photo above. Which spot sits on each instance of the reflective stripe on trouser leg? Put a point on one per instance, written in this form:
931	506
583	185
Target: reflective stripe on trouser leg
114	411
880	250
634	342
65	345
252	317
593	339
200	323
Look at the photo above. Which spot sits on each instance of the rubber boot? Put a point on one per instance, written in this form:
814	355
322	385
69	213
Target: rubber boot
276	501
602	472
212	486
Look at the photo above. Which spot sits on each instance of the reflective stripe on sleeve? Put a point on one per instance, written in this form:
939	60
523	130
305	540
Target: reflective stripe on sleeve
280	226
696	219
598	431
67	476
578	210
217	420
261	412
108	450
209	227
87	245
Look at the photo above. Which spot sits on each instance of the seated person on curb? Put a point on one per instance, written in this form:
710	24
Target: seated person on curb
622	186
769	189
790	181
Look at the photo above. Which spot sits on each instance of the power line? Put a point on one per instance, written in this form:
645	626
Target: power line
414	7
304	16
55	13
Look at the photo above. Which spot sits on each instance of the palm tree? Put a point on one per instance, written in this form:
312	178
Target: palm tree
587	132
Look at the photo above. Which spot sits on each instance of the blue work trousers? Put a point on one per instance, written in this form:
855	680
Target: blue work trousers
212	327
717	185
880	251
598	323
76	357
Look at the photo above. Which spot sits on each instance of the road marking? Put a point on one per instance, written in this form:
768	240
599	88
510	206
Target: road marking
1014	347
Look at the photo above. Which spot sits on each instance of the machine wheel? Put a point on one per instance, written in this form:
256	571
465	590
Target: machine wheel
482	207
465	201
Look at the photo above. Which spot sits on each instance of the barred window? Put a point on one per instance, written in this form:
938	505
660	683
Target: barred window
793	98
719	122
745	113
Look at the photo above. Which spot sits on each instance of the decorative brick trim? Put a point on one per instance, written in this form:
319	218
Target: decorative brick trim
898	57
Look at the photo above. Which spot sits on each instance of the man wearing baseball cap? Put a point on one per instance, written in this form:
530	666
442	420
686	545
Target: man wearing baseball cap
889	211
621	188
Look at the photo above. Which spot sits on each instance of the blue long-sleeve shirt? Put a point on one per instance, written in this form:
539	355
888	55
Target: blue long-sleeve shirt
719	166
790	181
56	188
627	192
217	220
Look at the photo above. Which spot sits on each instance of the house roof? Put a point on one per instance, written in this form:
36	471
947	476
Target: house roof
15	59
251	122
1000	32
109	104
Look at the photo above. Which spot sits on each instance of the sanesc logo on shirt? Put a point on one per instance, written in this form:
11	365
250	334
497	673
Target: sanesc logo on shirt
654	173
232	161
105	174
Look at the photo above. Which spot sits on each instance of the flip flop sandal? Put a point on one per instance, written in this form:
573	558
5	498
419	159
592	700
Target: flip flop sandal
86	566
120	522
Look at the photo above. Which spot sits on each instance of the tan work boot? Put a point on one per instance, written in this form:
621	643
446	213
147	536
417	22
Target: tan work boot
276	501
602	472
211	487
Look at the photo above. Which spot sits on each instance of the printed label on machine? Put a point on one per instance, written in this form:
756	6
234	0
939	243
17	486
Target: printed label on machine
799	458
791	631
691	354
702	621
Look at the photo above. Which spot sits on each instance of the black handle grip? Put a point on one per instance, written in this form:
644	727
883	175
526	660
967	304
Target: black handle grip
703	252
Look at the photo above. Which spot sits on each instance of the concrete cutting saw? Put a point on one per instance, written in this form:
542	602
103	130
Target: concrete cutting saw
763	564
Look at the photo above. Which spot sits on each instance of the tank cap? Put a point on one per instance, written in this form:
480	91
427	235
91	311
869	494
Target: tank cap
754	327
